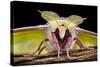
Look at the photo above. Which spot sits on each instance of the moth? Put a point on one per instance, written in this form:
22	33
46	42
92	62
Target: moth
63	34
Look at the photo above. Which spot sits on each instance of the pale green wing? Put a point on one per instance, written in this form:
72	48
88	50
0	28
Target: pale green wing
26	40
73	21
52	18
88	38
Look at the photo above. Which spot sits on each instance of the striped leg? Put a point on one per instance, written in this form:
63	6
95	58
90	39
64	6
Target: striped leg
81	45
39	49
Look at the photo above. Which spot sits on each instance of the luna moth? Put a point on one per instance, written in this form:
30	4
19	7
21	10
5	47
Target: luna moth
60	33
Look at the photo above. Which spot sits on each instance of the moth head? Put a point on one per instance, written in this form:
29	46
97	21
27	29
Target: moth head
62	31
64	24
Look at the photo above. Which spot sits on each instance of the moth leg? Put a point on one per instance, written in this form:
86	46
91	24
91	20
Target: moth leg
68	54
55	41
38	49
40	46
41	50
67	47
58	51
80	44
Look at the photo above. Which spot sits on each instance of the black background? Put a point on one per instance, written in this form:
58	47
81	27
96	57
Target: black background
25	13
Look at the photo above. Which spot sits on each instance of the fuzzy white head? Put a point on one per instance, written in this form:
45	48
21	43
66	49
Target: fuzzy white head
62	31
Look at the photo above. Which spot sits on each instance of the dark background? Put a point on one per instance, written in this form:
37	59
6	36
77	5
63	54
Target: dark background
25	14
